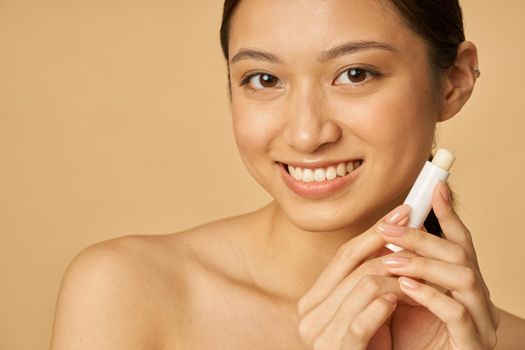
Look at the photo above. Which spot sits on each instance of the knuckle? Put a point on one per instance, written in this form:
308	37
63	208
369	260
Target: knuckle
370	285
466	238
365	268
384	306
417	237
459	255
449	212
357	331
468	278
302	305
408	254
432	294
305	329
372	267
419	264
345	252
459	313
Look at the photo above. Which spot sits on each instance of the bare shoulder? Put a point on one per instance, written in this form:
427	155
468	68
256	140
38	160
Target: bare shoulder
132	292
110	294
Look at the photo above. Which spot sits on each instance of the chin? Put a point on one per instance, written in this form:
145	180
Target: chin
318	219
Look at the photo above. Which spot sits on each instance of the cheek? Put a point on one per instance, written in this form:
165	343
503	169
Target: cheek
396	127
254	126
392	120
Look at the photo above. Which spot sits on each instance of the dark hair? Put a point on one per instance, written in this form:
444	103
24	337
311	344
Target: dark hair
439	23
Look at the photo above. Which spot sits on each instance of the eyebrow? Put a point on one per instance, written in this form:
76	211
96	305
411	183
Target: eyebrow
327	55
255	54
351	47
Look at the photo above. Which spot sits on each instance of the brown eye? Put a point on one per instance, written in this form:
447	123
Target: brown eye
354	76
268	80
262	81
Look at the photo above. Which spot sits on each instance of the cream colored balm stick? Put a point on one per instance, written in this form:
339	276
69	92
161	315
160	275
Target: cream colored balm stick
420	196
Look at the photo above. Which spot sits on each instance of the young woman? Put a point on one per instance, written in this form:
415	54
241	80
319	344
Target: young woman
334	105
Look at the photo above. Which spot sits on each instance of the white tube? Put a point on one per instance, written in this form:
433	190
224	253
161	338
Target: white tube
420	196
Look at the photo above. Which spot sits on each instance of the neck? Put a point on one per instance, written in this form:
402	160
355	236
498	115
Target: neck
290	259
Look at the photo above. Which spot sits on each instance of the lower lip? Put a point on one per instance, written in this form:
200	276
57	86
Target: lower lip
317	190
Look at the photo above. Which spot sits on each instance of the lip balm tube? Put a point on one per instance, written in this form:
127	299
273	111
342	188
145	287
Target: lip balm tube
420	196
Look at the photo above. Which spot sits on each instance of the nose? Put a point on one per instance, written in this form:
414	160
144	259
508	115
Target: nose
309	125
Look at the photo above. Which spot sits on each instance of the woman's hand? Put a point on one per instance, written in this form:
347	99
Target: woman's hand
357	304
354	296
455	293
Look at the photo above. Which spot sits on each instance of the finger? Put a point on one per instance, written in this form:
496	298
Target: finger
463	282
435	248
374	267
455	316
359	333
348	257
425	244
456	231
360	290
335	323
453	228
366	324
368	289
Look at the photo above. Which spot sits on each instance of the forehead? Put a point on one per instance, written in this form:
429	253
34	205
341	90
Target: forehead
313	25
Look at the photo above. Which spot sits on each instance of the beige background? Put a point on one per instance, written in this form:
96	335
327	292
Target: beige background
114	121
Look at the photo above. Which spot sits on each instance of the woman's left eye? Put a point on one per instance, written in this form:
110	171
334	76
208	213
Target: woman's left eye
354	76
261	81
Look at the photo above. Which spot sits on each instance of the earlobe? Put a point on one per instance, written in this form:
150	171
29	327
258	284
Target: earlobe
460	80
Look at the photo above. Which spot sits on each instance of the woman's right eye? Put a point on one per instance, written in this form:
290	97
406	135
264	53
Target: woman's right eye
261	81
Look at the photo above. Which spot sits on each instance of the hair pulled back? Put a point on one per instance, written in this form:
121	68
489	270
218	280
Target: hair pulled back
439	23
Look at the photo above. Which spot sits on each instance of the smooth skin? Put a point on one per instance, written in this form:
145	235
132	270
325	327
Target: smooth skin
306	273
346	311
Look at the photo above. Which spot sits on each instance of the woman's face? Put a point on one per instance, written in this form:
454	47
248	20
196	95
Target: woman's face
316	83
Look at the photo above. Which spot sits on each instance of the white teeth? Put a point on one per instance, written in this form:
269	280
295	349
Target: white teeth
298	174
341	169
331	173
308	175
323	174
319	175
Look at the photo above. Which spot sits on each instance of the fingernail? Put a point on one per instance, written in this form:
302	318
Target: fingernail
408	283
395	261
397	215
391	298
391	230
445	193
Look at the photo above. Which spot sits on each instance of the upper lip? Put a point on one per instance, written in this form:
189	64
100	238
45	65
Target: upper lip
318	164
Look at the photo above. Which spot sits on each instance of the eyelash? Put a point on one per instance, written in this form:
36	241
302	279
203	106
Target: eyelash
369	72
245	81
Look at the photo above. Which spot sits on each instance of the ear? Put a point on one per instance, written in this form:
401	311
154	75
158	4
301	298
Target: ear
459	80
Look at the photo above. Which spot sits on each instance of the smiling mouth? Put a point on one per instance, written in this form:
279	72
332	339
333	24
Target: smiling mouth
328	173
